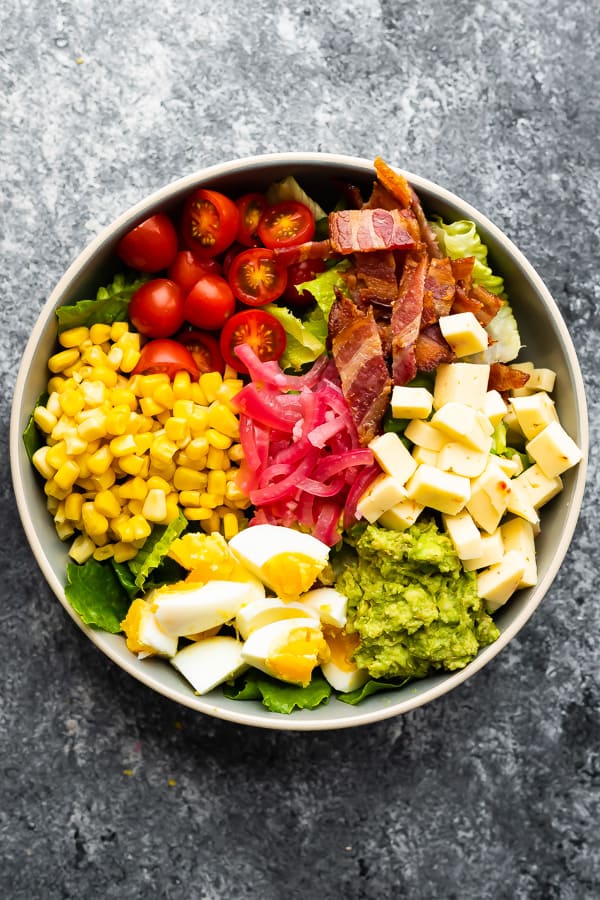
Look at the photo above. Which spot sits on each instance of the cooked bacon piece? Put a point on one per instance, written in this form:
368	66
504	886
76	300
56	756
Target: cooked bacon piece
358	356
504	378
366	230
302	252
464	302
352	194
439	291
490	303
406	318
376	282
396	184
380	198
427	234
431	349
462	269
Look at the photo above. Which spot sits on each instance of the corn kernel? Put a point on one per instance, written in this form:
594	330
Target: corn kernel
72	507
73	337
140	527
117	419
197	514
53	404
197	394
92	427
210	382
57	455
230	525
72	401
40	461
150	407
132	464
106	503
94	523
99	333
182	386
172	507
94	392
133	489
217	440
65	425
94	356
75	445
56	384
230	373
130	359
157	483
190	498
100	461
186	479
163	449
211	524
155	505
165	470
104	374
44	419
217	482
217	459
232	492
117	330
123	445
198	421
64	530
176	429
182	408
197	448
123	552
211	501
149	383
236	453
104	481
114	357
224	421
135	507
164	395
82	548
67	475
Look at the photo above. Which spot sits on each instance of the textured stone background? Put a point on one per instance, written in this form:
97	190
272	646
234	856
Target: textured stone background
492	791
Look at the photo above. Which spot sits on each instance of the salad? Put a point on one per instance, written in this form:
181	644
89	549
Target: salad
290	449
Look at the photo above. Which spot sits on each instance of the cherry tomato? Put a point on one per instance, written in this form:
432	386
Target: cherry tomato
166	355
186	270
210	222
256	277
205	350
286	224
209	303
297	274
230	256
256	327
156	308
150	246
250	207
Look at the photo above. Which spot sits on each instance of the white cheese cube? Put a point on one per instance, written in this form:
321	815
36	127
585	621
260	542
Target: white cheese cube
392	456
514	432
517	534
553	450
534	412
526	390
461	383
489	497
511	466
542	380
494	407
538	487
441	490
424	435
462	460
460	423
499	582
464	333
492	551
422	456
402	515
384	493
411	402
519	503
464	534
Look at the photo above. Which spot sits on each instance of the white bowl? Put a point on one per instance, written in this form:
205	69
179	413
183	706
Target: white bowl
543	332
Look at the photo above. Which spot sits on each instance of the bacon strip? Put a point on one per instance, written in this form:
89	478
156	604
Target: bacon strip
505	378
366	230
358	356
380	199
406	318
375	279
427	234
462	269
440	288
490	303
394	182
431	349
302	252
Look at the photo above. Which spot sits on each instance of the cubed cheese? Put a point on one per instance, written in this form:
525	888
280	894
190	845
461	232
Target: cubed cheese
512	465
492	551
461	383
517	534
384	493
534	412
489	497
464	333
402	515
494	407
553	450
423	456
411	402
528	368
462	460
392	456
542	380
441	490
464	534
461	423
519	503
424	435
538	487
499	582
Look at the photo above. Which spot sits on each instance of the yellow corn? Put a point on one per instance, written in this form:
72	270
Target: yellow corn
222	420
123	445
67	475
100	461
72	507
132	464
217	459
217	482
106	503
73	337
62	360
211	501
182	386
190	498
210	382
99	333
40	461
140	528
230	525
130	359
44	419
133	489
74	444
117	420
217	440
82	548
197	513
164	395
57	455
155	505
93	427
135	507
94	523
236	453
186	479
162	449
64	530
211	524
104	481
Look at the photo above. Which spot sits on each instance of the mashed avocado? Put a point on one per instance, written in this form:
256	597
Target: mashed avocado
412	604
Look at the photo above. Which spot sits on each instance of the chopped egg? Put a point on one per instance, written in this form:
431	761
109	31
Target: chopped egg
271	609
340	670
288	649
185	608
144	635
286	560
328	604
210	662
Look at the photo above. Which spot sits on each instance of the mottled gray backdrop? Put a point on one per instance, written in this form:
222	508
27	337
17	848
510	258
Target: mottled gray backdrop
492	791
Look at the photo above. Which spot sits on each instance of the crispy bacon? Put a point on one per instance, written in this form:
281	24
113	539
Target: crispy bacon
439	291
427	235
406	318
394	182
358	356
431	349
464	302
366	230
490	303
376	282
505	378
380	198
462	269
302	252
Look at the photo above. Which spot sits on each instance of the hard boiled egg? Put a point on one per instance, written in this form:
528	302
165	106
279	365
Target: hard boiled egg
210	662
288	649
328	604
286	560
144	635
262	612
340	671
186	608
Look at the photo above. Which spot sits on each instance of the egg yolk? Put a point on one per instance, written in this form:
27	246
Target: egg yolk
341	647
208	558
291	574
295	660
132	624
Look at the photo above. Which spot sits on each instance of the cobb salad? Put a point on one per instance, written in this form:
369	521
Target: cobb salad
290	449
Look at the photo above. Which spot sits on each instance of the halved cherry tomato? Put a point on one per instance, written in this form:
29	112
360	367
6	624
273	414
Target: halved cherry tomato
230	256
256	327
205	350
156	308
286	224
186	270
250	207
166	355
256	277
209	303
150	246
210	222
297	274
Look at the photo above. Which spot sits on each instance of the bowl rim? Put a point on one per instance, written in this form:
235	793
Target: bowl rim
262	718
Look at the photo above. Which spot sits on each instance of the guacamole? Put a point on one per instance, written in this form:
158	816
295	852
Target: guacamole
412	604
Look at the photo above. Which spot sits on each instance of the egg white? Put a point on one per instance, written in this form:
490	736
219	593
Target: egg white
210	662
189	609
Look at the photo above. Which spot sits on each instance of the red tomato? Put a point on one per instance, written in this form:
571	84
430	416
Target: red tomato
250	207
156	308
205	350
166	355
256	327
186	270
256	277
286	224
230	256
297	274
209	303
150	246
210	222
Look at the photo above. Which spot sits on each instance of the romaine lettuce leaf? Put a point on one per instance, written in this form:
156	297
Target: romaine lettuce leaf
303	345
155	549
276	695
372	686
461	239
110	305
323	288
289	189
96	594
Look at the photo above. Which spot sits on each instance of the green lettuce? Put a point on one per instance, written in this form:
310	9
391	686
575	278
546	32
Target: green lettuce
278	696
97	595
289	189
303	341
32	436
372	686
155	548
110	305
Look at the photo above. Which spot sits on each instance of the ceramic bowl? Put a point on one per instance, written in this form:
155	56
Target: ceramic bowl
543	333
